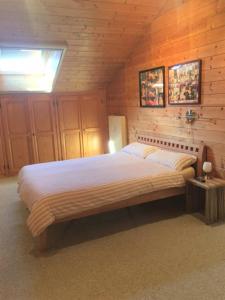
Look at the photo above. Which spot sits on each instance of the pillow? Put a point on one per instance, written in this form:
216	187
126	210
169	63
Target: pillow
174	160
138	149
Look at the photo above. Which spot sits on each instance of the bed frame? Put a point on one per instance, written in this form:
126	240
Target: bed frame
198	150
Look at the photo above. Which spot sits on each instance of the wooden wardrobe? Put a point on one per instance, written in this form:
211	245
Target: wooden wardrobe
36	128
82	125
2	155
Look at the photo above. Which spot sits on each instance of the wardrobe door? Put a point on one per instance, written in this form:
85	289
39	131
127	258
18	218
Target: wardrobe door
2	156
93	125
43	126
17	132
70	126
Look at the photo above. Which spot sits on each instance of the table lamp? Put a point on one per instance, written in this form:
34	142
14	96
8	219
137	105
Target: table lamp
207	168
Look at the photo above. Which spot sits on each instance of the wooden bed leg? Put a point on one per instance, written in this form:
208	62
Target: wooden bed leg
41	241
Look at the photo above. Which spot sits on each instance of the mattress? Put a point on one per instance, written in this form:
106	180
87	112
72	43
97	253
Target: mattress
56	190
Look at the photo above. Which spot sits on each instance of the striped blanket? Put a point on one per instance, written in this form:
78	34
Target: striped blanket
56	190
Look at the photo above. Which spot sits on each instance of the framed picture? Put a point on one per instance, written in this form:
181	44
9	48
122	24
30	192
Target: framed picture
152	87
185	83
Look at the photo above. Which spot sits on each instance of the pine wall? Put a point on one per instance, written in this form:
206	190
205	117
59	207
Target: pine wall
195	30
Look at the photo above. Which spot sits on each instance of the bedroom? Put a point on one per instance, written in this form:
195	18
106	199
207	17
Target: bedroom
155	250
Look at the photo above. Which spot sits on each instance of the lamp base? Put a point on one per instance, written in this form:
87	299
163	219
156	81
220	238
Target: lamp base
201	178
207	177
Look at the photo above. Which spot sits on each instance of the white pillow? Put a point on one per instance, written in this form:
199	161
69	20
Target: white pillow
138	149
174	160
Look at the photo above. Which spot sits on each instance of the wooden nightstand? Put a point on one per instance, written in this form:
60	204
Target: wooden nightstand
212	192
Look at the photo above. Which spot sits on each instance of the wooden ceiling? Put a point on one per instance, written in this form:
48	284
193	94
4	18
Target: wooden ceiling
100	33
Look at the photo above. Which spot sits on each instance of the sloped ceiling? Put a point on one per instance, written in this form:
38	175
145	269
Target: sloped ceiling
100	34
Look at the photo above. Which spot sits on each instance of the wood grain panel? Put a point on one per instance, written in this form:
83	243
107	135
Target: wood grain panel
93	125
43	124
2	152
70	126
192	30
95	31
47	127
93	143
17	132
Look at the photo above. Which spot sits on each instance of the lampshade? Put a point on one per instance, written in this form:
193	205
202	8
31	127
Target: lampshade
207	167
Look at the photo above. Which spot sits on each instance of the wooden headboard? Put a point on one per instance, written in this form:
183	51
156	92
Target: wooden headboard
199	150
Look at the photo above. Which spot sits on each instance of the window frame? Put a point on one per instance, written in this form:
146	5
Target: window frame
38	46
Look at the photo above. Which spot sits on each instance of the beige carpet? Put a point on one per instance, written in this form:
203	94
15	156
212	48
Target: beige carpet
154	251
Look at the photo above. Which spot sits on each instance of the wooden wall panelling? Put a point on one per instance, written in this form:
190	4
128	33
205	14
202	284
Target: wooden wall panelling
70	126
91	29
17	132
43	125
93	125
194	30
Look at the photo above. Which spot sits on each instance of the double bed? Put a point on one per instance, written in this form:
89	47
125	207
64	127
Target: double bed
59	191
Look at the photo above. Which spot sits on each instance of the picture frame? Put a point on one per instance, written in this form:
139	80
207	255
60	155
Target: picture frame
184	83
152	87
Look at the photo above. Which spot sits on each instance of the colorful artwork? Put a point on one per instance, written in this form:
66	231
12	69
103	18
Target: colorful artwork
152	87
185	83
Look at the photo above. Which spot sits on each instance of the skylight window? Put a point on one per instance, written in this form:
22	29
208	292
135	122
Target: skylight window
29	69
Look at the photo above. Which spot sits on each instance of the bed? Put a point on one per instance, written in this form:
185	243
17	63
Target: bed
65	190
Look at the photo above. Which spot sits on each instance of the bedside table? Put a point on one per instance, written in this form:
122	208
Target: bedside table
213	193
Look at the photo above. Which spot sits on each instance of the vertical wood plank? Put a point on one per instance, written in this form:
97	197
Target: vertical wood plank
184	33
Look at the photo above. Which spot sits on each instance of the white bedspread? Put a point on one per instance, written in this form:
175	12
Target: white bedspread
56	190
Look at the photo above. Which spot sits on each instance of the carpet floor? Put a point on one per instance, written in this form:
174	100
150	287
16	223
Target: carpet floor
150	252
